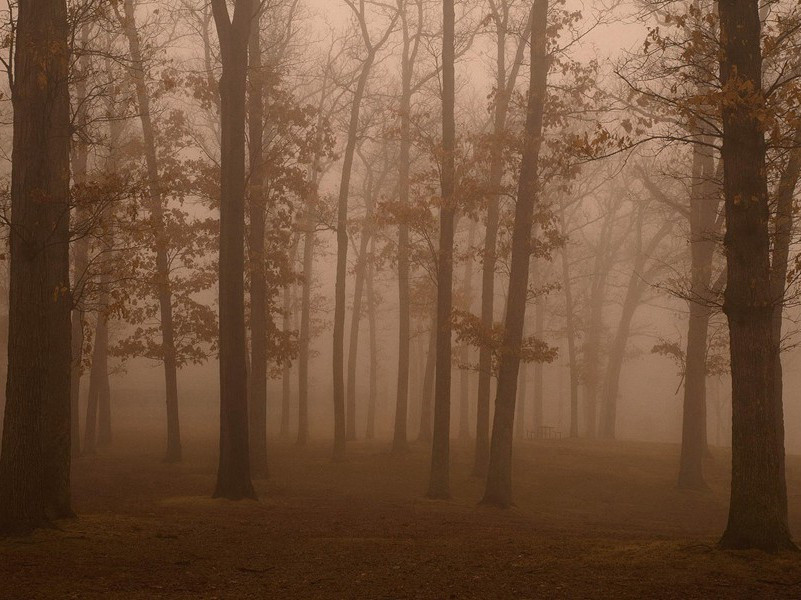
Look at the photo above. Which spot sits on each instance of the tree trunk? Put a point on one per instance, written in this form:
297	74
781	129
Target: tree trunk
439	484
617	353
400	435
464	358
427	397
162	276
570	330
539	327
98	383
233	475
305	299
504	88
499	475
342	260
258	283
305	332
36	449
104	386
704	202
371	316
80	160
758	507
356	316
520	415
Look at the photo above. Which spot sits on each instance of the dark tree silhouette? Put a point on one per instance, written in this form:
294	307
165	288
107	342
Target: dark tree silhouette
758	505
35	460
233	475
498	491
439	484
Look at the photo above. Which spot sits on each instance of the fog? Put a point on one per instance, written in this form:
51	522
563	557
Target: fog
467	288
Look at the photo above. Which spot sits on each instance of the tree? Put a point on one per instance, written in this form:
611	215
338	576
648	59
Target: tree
258	284
439	483
498	490
233	475
758	505
139	75
35	458
642	272
360	13
504	88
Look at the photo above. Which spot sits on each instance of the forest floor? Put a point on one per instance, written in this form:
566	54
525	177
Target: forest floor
592	520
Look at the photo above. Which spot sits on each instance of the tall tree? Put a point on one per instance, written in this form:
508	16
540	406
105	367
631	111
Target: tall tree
570	326
258	282
758	505
360	12
642	272
35	456
139	74
498	490
506	78
439	483
80	253
233	475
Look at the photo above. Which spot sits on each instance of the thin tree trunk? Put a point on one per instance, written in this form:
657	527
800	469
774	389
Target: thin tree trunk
758	506
162	275
520	415
427	396
617	353
439	483
464	358
704	202
305	332
98	382
371	316
570	330
80	160
356	316
233	475
504	88
499	475
342	261
258	283
36	449
400	434
539	330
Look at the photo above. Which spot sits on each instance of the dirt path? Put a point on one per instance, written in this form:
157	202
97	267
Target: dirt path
592	521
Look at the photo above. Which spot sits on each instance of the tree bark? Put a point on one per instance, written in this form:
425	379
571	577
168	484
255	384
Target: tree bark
233	475
758	506
498	490
439	483
36	449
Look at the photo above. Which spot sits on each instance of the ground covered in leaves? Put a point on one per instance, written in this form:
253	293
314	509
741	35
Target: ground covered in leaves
593	520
